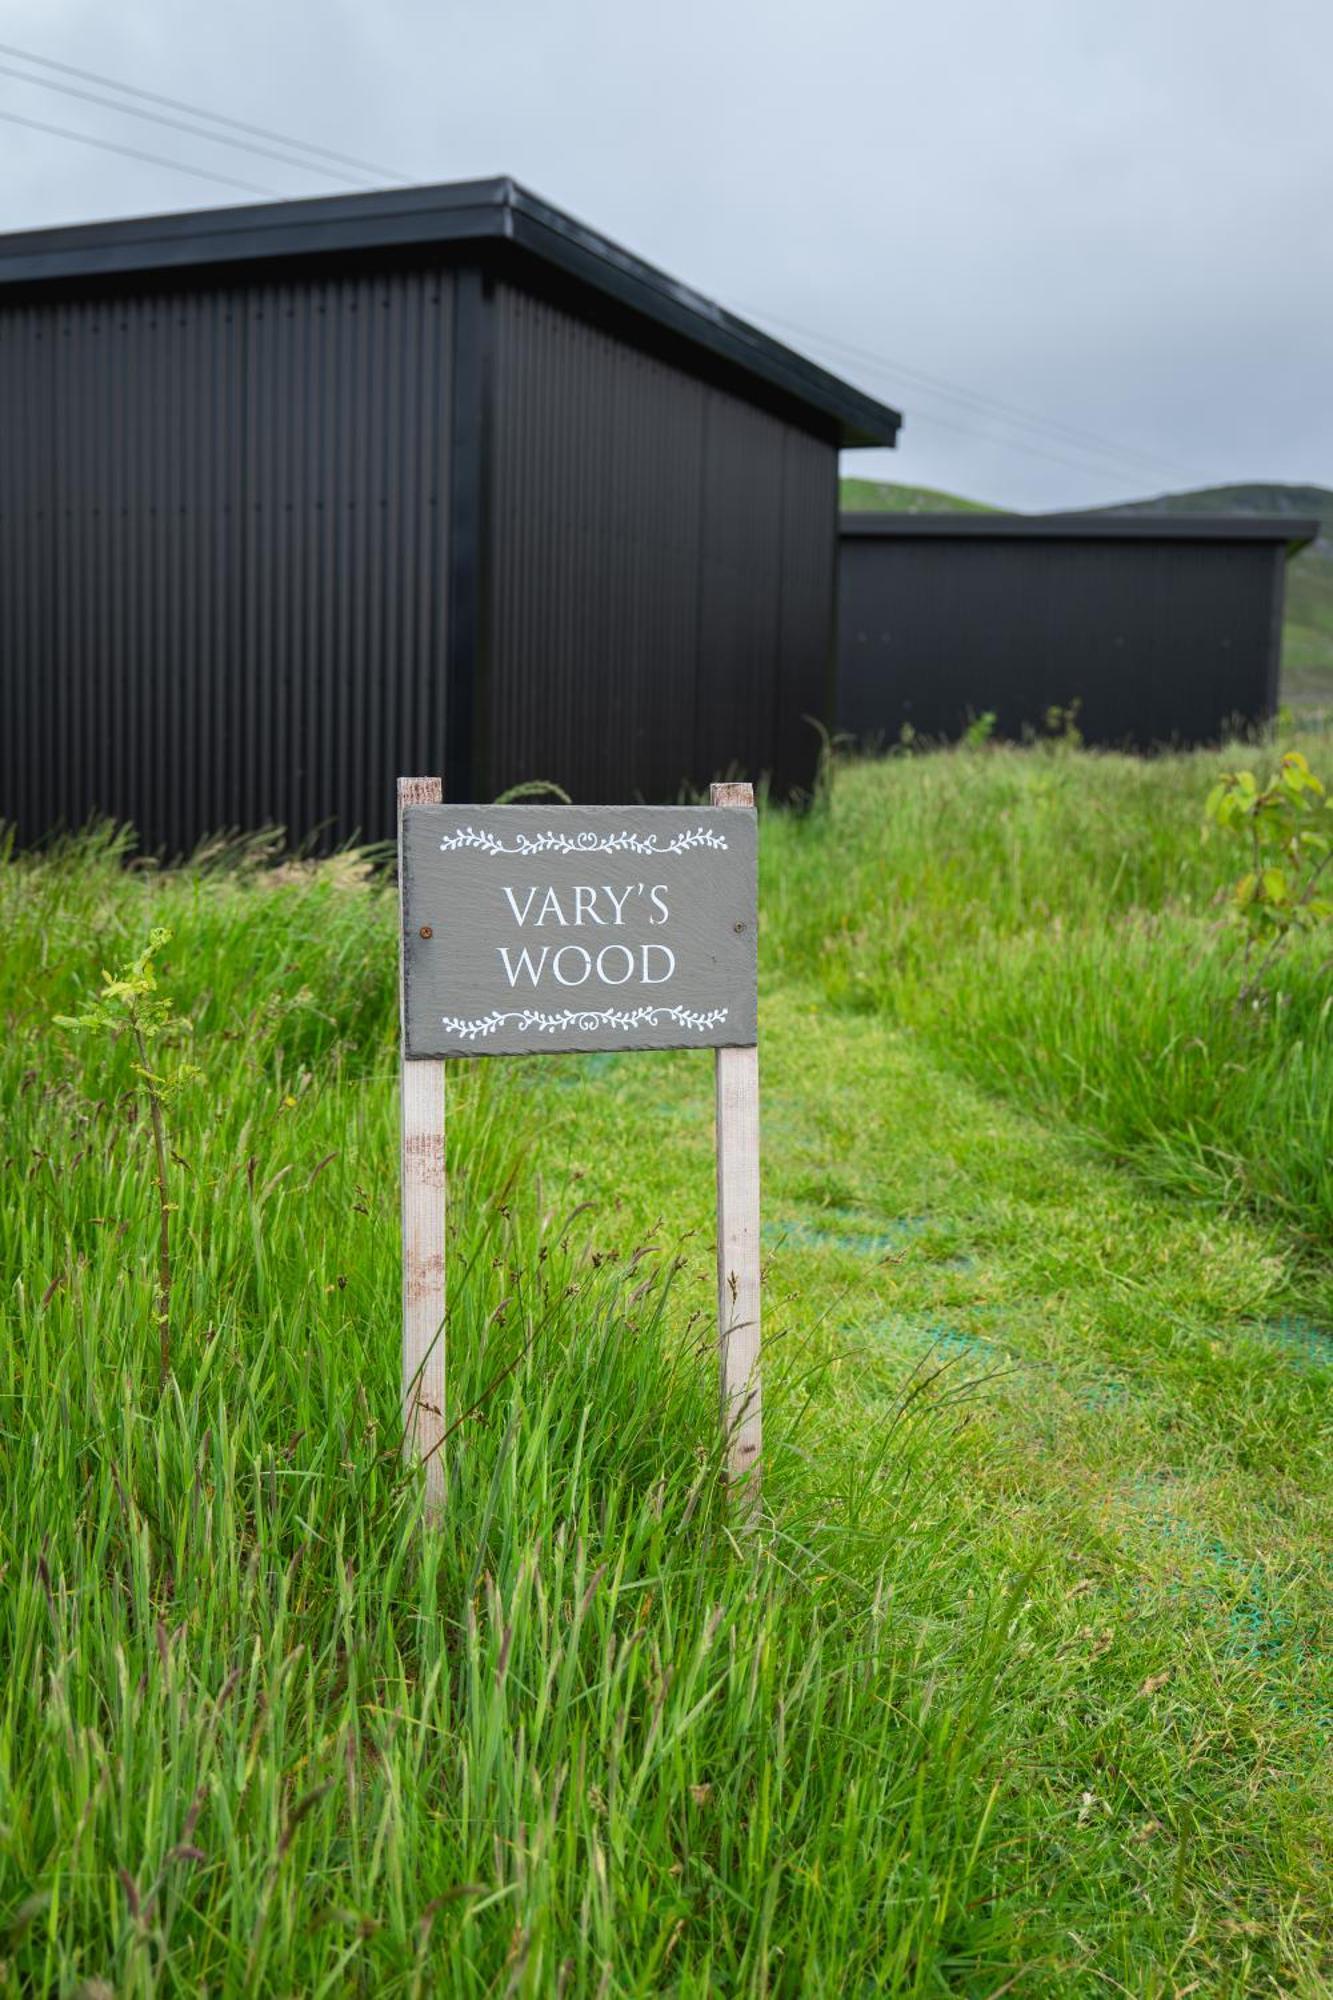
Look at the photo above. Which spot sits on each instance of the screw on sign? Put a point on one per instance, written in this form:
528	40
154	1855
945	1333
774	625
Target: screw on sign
526	928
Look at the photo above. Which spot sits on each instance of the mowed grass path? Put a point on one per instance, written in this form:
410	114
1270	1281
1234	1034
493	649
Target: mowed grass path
1023	1687
1143	1406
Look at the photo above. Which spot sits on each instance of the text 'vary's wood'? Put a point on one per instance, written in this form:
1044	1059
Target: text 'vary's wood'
527	928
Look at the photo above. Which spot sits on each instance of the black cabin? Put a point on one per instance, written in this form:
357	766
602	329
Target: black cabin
295	498
1163	629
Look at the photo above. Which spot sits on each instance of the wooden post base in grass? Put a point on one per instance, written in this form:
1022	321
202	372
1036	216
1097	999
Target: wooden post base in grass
738	1249
423	1199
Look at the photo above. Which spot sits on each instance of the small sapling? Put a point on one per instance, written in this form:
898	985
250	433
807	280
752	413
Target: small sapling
1286	831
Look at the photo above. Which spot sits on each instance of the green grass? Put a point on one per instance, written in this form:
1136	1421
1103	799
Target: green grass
1048	922
1024	1683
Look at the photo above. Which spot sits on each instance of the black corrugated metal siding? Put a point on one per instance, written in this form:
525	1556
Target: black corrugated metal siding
1160	642
807	683
659	592
223	554
293	501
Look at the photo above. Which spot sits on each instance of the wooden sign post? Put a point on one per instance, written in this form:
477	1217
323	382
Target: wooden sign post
736	1126
578	927
424	1194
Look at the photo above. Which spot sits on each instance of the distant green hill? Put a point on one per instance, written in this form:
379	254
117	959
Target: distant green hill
881	496
1307	632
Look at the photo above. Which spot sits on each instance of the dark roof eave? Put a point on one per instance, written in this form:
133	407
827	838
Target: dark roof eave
1295	531
418	218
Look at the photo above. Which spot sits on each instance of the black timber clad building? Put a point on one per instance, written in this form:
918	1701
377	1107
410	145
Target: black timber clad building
295	498
1164	629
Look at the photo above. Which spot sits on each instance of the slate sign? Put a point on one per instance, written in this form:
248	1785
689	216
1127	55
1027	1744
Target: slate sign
578	927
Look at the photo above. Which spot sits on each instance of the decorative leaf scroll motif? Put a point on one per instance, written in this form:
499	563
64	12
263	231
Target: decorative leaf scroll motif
623	842
583	1020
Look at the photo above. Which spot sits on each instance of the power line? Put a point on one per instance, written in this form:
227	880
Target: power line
1085	465
179	125
1082	442
133	153
198	111
1068	434
990	405
1098	456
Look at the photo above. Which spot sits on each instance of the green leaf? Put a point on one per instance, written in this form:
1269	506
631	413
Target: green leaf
1297	776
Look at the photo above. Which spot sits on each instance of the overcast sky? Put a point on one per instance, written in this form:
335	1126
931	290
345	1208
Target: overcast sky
1084	245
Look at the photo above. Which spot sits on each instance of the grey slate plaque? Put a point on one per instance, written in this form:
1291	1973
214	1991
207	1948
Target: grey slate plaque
578	927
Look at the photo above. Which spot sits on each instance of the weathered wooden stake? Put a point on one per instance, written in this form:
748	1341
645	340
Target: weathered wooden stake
423	1198
738	1249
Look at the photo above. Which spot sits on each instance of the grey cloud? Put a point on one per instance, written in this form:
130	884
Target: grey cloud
1112	217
